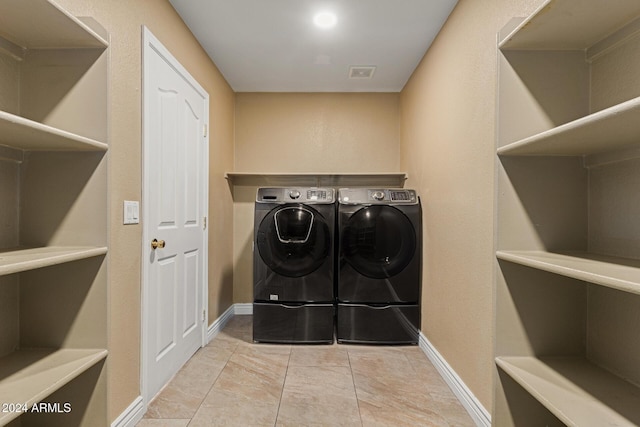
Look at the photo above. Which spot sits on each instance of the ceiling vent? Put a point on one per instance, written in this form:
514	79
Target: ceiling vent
361	72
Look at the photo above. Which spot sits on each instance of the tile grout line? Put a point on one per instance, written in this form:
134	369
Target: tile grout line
286	372
213	383
355	389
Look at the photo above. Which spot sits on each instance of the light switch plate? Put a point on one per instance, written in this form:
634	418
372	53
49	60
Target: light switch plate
131	212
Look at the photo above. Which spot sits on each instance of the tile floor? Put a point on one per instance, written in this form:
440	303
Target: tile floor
234	382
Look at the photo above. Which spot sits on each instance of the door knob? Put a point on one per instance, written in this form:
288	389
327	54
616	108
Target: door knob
155	244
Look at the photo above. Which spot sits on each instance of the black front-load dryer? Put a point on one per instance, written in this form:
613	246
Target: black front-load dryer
293	265
379	271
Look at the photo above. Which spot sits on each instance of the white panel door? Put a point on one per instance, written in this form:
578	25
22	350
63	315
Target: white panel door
174	210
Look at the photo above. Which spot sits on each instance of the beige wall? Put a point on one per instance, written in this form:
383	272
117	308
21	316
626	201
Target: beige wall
123	20
306	132
448	115
317	132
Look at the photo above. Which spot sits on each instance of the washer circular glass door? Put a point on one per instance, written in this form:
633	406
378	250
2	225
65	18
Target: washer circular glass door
294	241
378	241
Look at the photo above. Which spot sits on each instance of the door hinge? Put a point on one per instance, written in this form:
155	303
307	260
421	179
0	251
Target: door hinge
204	313
204	131
204	223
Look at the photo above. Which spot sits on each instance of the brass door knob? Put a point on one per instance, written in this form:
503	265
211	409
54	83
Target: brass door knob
155	244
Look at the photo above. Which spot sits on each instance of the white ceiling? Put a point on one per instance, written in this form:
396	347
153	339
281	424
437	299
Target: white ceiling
273	45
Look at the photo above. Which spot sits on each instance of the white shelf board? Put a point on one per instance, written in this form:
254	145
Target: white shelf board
29	376
617	273
612	129
569	25
576	391
19	260
25	134
395	180
42	24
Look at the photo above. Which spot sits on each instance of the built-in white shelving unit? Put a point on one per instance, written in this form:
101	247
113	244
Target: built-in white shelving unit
568	243
29	376
615	128
42	24
591	24
29	259
576	390
25	134
53	205
617	273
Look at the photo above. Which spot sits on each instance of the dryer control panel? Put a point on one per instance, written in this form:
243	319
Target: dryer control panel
306	195
372	196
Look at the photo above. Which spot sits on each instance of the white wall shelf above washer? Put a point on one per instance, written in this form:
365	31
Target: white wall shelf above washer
395	179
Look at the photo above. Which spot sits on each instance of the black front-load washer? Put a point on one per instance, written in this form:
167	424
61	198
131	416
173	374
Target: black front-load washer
380	259
293	265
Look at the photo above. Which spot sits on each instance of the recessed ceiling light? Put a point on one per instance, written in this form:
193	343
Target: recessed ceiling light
325	20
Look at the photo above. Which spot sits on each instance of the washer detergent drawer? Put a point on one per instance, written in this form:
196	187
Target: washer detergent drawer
284	323
366	324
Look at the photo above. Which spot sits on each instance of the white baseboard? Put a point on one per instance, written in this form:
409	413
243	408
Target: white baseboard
132	415
478	413
217	325
244	308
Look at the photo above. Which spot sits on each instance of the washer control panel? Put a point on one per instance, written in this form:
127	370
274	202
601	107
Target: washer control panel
384	196
308	195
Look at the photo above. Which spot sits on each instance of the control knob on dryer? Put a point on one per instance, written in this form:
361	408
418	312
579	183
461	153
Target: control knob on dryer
294	194
378	195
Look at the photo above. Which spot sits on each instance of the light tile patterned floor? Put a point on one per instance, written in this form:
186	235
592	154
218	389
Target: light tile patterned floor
234	382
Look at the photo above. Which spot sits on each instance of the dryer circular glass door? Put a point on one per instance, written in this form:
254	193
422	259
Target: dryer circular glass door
294	241
378	241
